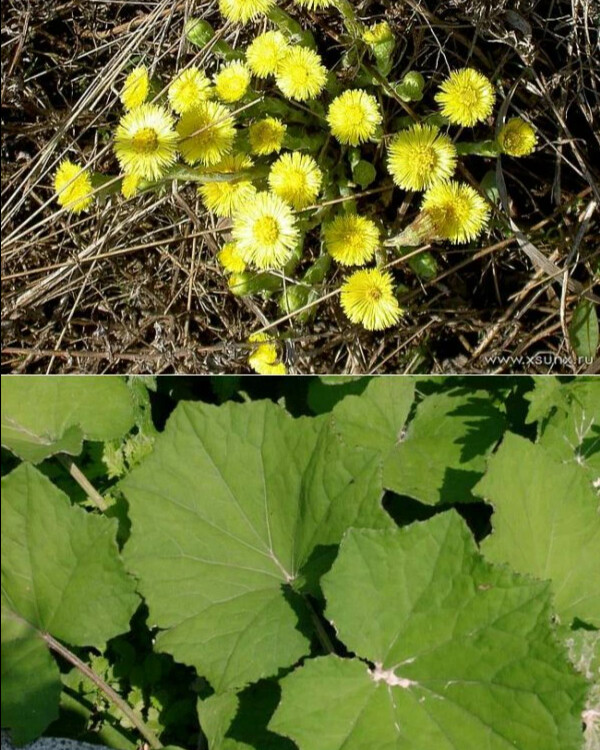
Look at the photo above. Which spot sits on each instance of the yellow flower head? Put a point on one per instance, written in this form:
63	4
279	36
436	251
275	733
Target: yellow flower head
351	239
466	97
231	260
232	82
457	211
242	11
368	298
207	133
223	198
129	186
421	156
145	142
378	33
135	89
265	231
354	117
315	4
188	89
266	136
264	358
517	138
301	74
266	52
73	187
296	178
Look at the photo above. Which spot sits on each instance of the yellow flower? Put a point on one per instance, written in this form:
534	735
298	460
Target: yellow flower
354	117
296	178
129	186
145	142
421	156
315	4
368	298
457	212
188	89
223	198
266	136
378	33
466	97
231	260
242	11
73	187
232	82
517	137
301	74
350	239
207	133
135	89
264	358
266	52
265	231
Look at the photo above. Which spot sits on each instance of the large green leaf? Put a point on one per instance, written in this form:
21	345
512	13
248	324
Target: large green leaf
568	416
545	523
226	514
452	653
440	454
61	575
42	416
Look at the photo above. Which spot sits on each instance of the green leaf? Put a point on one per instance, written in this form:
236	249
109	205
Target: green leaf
461	654
569	421
584	652
228	511
546	524
61	574
42	416
583	329
440	454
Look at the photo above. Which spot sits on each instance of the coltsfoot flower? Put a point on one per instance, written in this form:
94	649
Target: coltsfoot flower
145	142
457	212
266	136
368	298
296	179
73	187
231	260
223	198
264	358
266	52
354	117
351	239
188	89
466	97
136	88
420	157
265	231
232	82
517	138
242	11
207	133
315	4
129	186
301	74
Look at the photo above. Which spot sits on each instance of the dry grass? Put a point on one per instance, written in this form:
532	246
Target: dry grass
134	287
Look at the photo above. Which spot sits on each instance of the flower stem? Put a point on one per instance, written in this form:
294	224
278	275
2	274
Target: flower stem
83	481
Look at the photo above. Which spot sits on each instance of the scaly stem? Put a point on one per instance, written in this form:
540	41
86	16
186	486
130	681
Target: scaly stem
124	707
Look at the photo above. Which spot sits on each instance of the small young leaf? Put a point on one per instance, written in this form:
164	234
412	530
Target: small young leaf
583	329
43	416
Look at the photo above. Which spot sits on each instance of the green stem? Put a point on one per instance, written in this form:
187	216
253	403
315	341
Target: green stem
83	481
322	635
124	707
